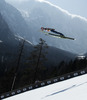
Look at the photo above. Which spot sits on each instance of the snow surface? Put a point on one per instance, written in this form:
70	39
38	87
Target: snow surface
21	38
72	89
0	41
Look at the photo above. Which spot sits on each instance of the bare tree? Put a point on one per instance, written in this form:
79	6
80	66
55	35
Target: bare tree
18	63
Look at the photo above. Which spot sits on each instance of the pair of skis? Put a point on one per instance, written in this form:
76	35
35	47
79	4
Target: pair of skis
57	35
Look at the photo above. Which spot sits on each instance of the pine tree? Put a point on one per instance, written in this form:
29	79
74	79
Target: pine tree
37	59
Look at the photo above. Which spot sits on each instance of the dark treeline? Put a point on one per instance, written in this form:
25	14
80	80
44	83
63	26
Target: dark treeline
26	76
32	68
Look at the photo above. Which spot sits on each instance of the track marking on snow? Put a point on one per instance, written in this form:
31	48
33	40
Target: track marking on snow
74	86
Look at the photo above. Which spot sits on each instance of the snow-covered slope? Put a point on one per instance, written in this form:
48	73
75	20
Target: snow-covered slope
6	35
14	19
39	13
72	89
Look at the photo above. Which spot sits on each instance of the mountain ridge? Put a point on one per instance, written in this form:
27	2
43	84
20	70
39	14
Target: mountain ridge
48	15
14	20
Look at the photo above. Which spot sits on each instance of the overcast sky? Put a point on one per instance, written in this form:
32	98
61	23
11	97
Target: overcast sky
77	7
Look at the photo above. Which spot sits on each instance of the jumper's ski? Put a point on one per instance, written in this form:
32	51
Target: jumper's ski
57	35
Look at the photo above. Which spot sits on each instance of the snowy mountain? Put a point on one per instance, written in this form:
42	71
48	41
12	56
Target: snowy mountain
14	20
6	36
9	45
38	13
